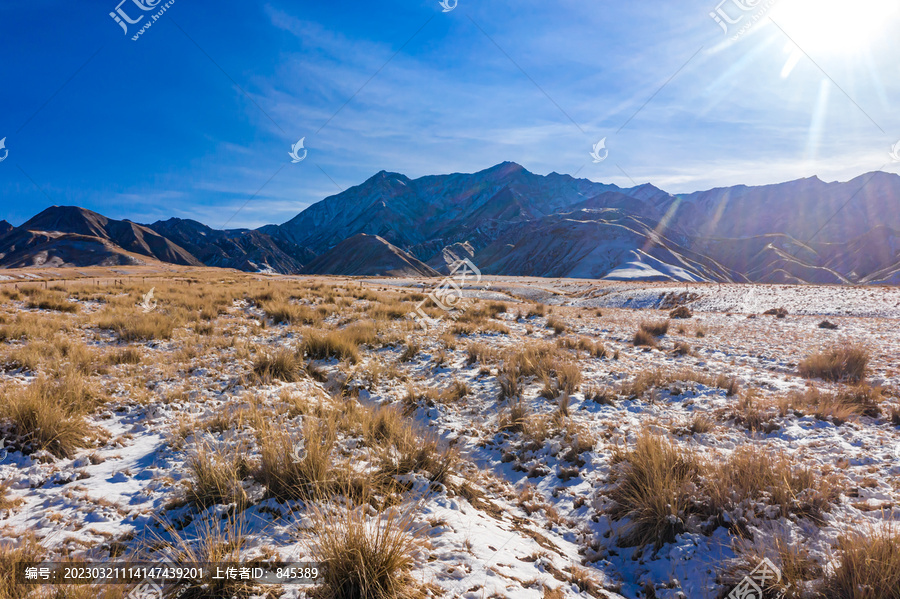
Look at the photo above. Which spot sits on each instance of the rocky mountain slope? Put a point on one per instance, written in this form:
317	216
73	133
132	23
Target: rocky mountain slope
71	236
512	222
368	255
242	249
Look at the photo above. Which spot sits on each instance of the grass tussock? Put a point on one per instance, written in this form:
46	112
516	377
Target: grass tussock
214	540
848	403
656	329
557	324
846	362
307	473
650	490
282	311
643	339
283	365
752	473
56	302
869	566
681	312
48	413
342	344
364	556
137	326
217	475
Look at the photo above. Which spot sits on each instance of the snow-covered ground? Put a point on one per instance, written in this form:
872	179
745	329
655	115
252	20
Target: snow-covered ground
533	517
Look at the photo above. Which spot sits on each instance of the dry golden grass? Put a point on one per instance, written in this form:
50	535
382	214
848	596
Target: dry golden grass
364	556
643	338
26	550
754	473
48	413
6	503
656	329
557	324
52	300
650	490
133	325
848	403
342	344
846	362
869	566
217	475
215	540
29	327
411	351
291	474
283	312
794	561
281	365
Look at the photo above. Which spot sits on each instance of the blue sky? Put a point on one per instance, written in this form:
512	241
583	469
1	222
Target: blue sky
198	114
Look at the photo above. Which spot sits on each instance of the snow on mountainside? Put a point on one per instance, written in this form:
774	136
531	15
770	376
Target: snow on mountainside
368	255
71	236
805	231
242	249
516	223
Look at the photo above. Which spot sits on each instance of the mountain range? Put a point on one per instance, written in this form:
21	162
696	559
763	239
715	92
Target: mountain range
510	221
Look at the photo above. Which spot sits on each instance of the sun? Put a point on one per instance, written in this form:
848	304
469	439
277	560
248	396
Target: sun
837	26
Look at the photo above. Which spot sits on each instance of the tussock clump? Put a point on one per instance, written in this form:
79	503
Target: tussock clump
480	353
846	404
751	412
48	414
364	556
26	550
515	417
284	312
216	477
342	344
56	302
289	472
754	473
595	349
137	326
729	384
643	338
869	566
657	329
536	310
847	362
651	490
557	324
127	355
701	424
282	365
683	348
681	312
411	351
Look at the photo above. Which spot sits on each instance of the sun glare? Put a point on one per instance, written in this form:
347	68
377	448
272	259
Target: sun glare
836	26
